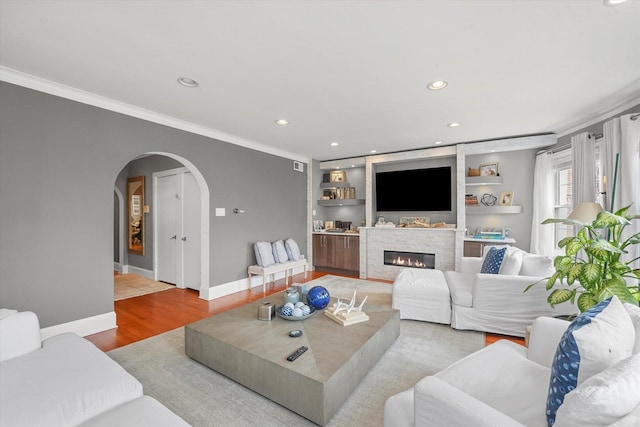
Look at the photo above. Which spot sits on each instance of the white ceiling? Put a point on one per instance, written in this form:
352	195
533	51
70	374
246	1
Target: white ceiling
354	72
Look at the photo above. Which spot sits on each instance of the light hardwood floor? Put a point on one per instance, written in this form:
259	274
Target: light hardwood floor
153	314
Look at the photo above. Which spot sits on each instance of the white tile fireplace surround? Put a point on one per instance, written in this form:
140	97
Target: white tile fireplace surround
374	241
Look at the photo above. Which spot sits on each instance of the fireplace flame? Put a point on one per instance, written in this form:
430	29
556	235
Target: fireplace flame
408	262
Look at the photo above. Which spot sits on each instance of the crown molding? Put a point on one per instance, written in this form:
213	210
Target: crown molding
52	88
603	116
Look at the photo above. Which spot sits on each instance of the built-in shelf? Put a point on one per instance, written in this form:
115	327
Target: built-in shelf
484	210
331	185
341	202
484	180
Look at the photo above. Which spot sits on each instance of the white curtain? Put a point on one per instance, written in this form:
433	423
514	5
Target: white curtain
542	236
609	147
622	135
584	169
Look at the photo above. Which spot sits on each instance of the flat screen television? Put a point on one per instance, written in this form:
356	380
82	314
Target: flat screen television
414	190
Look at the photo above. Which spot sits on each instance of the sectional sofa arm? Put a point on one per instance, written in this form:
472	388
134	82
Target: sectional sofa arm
437	403
544	337
19	334
470	265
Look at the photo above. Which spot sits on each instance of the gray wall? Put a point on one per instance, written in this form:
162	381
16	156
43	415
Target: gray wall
59	161
516	168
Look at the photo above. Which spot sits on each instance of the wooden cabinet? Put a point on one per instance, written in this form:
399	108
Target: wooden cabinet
474	249
336	252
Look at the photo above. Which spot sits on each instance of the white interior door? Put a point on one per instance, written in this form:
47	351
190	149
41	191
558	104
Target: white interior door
191	231
166	238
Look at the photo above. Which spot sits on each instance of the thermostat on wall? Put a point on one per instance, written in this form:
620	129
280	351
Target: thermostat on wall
298	166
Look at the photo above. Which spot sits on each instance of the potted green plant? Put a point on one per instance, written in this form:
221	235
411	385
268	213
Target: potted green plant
591	268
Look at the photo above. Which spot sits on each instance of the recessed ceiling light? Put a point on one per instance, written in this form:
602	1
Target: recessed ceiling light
353	166
612	2
437	85
438	142
334	144
454	124
373	151
282	122
187	82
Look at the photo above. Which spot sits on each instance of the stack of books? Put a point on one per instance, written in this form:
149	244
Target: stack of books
489	235
470	199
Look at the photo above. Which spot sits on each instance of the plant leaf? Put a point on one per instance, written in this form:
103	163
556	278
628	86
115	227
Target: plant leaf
558	296
552	280
617	286
561	262
604	245
590	275
573	247
574	273
586	301
607	219
564	242
568	221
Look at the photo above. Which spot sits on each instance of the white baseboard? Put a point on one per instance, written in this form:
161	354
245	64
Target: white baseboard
137	270
117	267
83	327
242	285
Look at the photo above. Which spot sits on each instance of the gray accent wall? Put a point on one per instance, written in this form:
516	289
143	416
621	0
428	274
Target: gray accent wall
516	168
59	161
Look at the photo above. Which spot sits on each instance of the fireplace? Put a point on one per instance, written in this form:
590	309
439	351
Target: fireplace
410	259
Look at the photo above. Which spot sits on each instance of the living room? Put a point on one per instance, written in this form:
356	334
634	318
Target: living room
88	91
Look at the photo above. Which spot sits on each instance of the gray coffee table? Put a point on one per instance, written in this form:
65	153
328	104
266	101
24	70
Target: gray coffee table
254	353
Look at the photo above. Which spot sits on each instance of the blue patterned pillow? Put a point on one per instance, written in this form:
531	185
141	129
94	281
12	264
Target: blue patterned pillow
493	260
597	339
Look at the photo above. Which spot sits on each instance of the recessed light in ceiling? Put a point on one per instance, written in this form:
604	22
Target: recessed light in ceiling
438	142
454	124
437	85
334	144
374	151
612	2
187	82
282	122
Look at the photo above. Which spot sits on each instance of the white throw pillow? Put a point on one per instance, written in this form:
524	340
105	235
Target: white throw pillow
537	266
264	254
634	312
512	261
604	398
279	252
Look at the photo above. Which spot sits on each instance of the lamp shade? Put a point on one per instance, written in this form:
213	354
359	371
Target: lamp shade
586	212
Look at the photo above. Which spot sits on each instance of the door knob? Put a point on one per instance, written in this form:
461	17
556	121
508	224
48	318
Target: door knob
184	239
173	237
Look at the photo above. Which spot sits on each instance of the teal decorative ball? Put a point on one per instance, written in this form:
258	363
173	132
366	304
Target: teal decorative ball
318	297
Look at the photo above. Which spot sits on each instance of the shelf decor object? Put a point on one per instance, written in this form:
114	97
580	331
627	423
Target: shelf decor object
506	198
489	169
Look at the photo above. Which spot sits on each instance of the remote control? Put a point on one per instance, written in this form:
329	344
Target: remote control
297	353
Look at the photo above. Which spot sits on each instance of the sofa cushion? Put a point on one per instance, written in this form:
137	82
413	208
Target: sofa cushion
597	339
293	251
65	383
604	398
279	252
634	312
264	254
536	265
19	334
501	376
493	261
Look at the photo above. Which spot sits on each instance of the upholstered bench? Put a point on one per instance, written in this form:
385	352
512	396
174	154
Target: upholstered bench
277	257
286	267
422	294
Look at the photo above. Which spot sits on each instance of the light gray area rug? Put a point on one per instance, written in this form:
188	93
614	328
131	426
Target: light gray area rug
203	397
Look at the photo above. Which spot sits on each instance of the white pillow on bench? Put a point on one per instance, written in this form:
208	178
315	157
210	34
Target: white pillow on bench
279	252
264	254
293	251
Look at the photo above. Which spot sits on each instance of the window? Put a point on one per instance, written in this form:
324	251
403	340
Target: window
564	199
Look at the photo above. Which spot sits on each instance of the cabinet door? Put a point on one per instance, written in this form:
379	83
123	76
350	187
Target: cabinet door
348	253
319	251
473	249
331	243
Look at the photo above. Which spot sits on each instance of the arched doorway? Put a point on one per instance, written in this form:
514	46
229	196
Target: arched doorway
204	209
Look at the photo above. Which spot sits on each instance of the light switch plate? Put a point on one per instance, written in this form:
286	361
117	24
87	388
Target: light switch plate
220	212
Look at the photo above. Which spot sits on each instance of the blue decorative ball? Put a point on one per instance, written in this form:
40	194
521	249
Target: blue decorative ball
318	297
286	311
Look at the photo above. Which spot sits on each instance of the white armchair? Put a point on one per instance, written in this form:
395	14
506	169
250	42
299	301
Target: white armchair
497	302
504	384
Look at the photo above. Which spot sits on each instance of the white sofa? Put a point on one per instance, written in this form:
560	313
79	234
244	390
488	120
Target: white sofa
67	381
497	302
506	385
